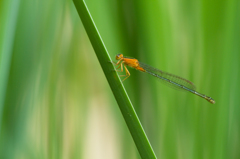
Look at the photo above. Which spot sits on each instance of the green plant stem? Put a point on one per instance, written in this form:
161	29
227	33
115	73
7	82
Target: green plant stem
118	90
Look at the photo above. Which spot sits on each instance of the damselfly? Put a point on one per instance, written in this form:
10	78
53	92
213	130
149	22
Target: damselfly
170	79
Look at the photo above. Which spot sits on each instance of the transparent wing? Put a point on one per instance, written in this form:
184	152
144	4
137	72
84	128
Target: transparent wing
171	80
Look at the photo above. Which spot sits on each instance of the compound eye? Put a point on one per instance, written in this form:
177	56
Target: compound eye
118	56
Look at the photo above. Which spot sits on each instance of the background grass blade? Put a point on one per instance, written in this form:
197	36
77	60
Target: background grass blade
8	20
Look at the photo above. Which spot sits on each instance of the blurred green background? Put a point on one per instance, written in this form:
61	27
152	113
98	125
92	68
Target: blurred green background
55	101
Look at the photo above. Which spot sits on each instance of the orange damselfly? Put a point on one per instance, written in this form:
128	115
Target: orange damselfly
170	79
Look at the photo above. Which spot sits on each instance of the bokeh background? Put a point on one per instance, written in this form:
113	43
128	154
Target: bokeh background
55	101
